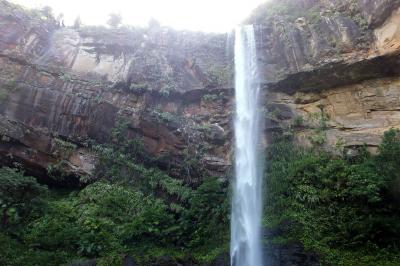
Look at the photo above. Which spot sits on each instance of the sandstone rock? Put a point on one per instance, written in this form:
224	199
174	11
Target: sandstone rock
74	84
358	114
388	35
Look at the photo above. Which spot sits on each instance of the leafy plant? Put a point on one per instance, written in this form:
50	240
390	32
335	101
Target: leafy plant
210	97
17	193
218	75
138	87
335	206
298	121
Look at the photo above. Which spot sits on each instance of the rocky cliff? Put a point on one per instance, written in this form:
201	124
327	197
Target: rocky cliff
64	87
330	70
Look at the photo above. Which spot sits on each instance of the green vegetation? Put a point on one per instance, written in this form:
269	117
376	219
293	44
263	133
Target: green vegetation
138	87
319	122
344	209
164	117
64	148
8	84
218	75
56	171
66	77
36	15
288	9
167	88
313	12
298	121
208	98
132	208
352	9
17	194
6	89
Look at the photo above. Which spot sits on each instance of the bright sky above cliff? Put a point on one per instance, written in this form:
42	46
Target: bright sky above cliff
203	15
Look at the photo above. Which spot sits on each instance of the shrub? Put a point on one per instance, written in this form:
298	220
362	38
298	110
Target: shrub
335	205
133	208
17	193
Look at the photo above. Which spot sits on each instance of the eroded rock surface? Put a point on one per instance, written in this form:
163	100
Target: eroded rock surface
354	114
63	87
351	83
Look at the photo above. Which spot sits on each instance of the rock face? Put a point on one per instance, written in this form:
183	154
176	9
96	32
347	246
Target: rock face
309	45
355	114
330	62
331	70
61	87
289	255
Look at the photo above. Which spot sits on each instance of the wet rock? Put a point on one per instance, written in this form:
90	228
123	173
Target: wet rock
292	254
289	255
216	134
129	261
279	111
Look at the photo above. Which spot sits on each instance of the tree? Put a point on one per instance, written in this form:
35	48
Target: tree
17	191
115	20
77	22
47	11
60	20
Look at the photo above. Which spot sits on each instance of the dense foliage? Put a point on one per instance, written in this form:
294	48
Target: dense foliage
130	209
346	209
17	194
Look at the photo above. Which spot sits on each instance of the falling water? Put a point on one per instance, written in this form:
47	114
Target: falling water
247	202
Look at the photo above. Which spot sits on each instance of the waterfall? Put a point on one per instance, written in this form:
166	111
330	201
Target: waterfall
247	200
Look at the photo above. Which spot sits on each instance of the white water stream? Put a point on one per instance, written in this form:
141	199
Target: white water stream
247	200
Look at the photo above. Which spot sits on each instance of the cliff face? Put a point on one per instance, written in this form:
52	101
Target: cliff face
62	87
331	70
